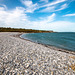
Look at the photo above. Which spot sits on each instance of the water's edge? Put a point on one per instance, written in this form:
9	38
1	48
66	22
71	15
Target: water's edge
49	46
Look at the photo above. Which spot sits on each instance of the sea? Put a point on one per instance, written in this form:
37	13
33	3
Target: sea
63	40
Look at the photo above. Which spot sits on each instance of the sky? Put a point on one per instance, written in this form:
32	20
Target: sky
56	15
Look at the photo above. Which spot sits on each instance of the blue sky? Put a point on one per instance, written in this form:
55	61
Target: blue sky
56	15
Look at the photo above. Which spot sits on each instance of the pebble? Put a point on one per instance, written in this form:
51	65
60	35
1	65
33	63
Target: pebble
22	57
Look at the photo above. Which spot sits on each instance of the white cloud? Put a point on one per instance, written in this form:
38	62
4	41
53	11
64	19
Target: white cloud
70	14
27	3
18	19
53	8
43	23
14	18
3	7
48	9
62	26
49	18
48	6
58	26
53	3
62	7
30	7
44	1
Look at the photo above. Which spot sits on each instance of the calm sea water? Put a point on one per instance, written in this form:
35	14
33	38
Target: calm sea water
64	40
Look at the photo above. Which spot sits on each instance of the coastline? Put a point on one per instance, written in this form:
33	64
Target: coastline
19	56
51	47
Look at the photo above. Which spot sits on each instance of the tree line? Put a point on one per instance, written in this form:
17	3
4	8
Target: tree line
3	29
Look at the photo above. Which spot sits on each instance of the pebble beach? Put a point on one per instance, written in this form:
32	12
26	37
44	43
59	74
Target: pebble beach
22	57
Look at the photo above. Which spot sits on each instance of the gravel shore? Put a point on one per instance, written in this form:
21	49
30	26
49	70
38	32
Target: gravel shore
22	57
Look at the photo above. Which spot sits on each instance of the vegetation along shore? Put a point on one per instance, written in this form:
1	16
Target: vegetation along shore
2	29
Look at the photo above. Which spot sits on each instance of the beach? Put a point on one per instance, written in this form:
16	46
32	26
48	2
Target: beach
23	57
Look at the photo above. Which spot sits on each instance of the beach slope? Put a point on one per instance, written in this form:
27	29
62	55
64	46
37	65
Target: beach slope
22	57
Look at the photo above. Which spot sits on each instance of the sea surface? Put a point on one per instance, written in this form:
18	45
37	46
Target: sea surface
64	40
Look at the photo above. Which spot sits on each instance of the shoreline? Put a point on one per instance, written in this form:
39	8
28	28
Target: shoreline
51	47
21	57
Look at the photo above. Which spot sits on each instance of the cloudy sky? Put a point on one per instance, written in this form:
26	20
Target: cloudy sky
56	15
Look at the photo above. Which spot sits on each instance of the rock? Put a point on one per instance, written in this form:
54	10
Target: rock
27	65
